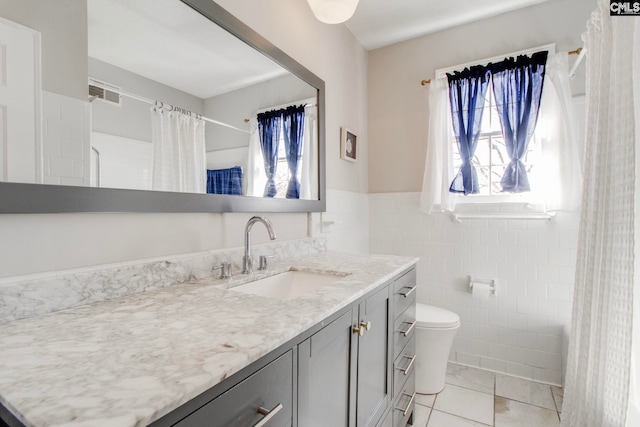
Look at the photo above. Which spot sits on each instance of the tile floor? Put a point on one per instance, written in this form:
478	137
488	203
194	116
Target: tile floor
474	397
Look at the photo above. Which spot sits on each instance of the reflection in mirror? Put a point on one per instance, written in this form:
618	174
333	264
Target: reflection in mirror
175	105
162	51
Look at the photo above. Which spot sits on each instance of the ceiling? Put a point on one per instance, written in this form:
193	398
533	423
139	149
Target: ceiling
168	42
378	23
149	38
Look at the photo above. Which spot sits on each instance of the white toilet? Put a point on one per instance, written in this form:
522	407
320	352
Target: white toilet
435	329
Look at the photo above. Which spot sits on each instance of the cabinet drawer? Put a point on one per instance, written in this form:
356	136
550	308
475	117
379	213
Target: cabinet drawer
404	292
404	405
403	366
266	394
403	329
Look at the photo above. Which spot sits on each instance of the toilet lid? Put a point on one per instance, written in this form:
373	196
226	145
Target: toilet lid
429	316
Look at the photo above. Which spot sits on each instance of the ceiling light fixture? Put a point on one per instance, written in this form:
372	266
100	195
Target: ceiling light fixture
333	11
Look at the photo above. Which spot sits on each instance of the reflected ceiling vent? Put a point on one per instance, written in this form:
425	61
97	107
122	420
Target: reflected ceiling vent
105	91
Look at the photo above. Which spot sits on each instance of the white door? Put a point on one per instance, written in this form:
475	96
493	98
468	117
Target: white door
19	103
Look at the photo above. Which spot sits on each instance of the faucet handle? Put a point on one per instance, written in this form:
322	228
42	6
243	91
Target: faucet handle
264	262
225	270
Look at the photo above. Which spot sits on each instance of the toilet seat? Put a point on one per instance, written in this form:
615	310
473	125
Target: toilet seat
428	316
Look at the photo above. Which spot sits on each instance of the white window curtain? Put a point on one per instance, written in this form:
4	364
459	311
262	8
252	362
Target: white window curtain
557	185
309	167
255	177
179	158
556	188
601	382
438	170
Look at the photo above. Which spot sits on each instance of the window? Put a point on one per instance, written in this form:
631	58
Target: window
491	159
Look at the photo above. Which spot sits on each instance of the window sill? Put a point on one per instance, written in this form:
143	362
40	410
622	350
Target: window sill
505	210
459	216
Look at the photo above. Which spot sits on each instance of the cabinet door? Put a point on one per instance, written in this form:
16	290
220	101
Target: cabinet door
374	360
325	364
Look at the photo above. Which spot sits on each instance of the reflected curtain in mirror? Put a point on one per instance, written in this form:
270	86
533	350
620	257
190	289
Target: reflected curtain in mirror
269	131
179	159
293	126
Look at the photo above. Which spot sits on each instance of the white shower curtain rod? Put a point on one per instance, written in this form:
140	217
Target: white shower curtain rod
152	102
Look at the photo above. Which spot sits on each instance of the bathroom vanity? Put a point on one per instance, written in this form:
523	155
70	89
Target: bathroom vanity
202	353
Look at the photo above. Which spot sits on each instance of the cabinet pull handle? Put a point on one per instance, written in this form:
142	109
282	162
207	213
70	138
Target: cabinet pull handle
362	328
268	414
409	292
405	411
409	366
411	326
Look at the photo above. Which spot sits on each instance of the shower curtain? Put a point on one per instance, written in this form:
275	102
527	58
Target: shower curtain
179	157
600	375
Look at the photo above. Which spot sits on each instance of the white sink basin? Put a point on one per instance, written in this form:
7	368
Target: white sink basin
288	285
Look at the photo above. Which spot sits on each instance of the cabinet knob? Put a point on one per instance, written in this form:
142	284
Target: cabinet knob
362	328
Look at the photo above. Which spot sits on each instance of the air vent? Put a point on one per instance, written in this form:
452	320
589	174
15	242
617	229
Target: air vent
104	91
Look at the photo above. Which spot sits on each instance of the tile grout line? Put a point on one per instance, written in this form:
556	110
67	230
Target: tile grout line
433	405
458	416
528	403
494	399
555	402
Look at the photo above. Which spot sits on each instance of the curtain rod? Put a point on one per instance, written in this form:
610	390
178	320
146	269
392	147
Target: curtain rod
579	51
310	102
162	105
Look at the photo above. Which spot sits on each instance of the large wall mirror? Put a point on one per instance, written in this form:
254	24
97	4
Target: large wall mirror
187	110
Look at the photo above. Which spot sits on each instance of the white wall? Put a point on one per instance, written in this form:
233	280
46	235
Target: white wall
64	47
132	119
37	243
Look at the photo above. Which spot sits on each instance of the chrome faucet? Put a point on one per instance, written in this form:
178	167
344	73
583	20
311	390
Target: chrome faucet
247	261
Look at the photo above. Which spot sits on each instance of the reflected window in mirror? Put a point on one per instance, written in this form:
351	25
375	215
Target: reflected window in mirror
283	143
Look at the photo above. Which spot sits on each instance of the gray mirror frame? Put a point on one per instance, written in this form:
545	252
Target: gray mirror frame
40	198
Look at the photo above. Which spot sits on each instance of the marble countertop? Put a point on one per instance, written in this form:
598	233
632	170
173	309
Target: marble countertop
130	360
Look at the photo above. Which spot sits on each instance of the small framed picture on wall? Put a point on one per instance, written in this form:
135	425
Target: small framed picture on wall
348	145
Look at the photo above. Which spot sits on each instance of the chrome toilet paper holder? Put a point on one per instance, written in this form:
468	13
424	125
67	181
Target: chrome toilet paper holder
476	281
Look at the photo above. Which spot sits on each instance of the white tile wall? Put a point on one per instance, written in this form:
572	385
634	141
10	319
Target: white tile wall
519	331
65	136
124	162
345	224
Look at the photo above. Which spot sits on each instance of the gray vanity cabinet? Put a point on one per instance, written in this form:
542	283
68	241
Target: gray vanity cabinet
344	370
326	362
404	348
374	359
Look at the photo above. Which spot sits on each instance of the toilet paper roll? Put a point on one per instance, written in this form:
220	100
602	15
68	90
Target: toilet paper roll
480	290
